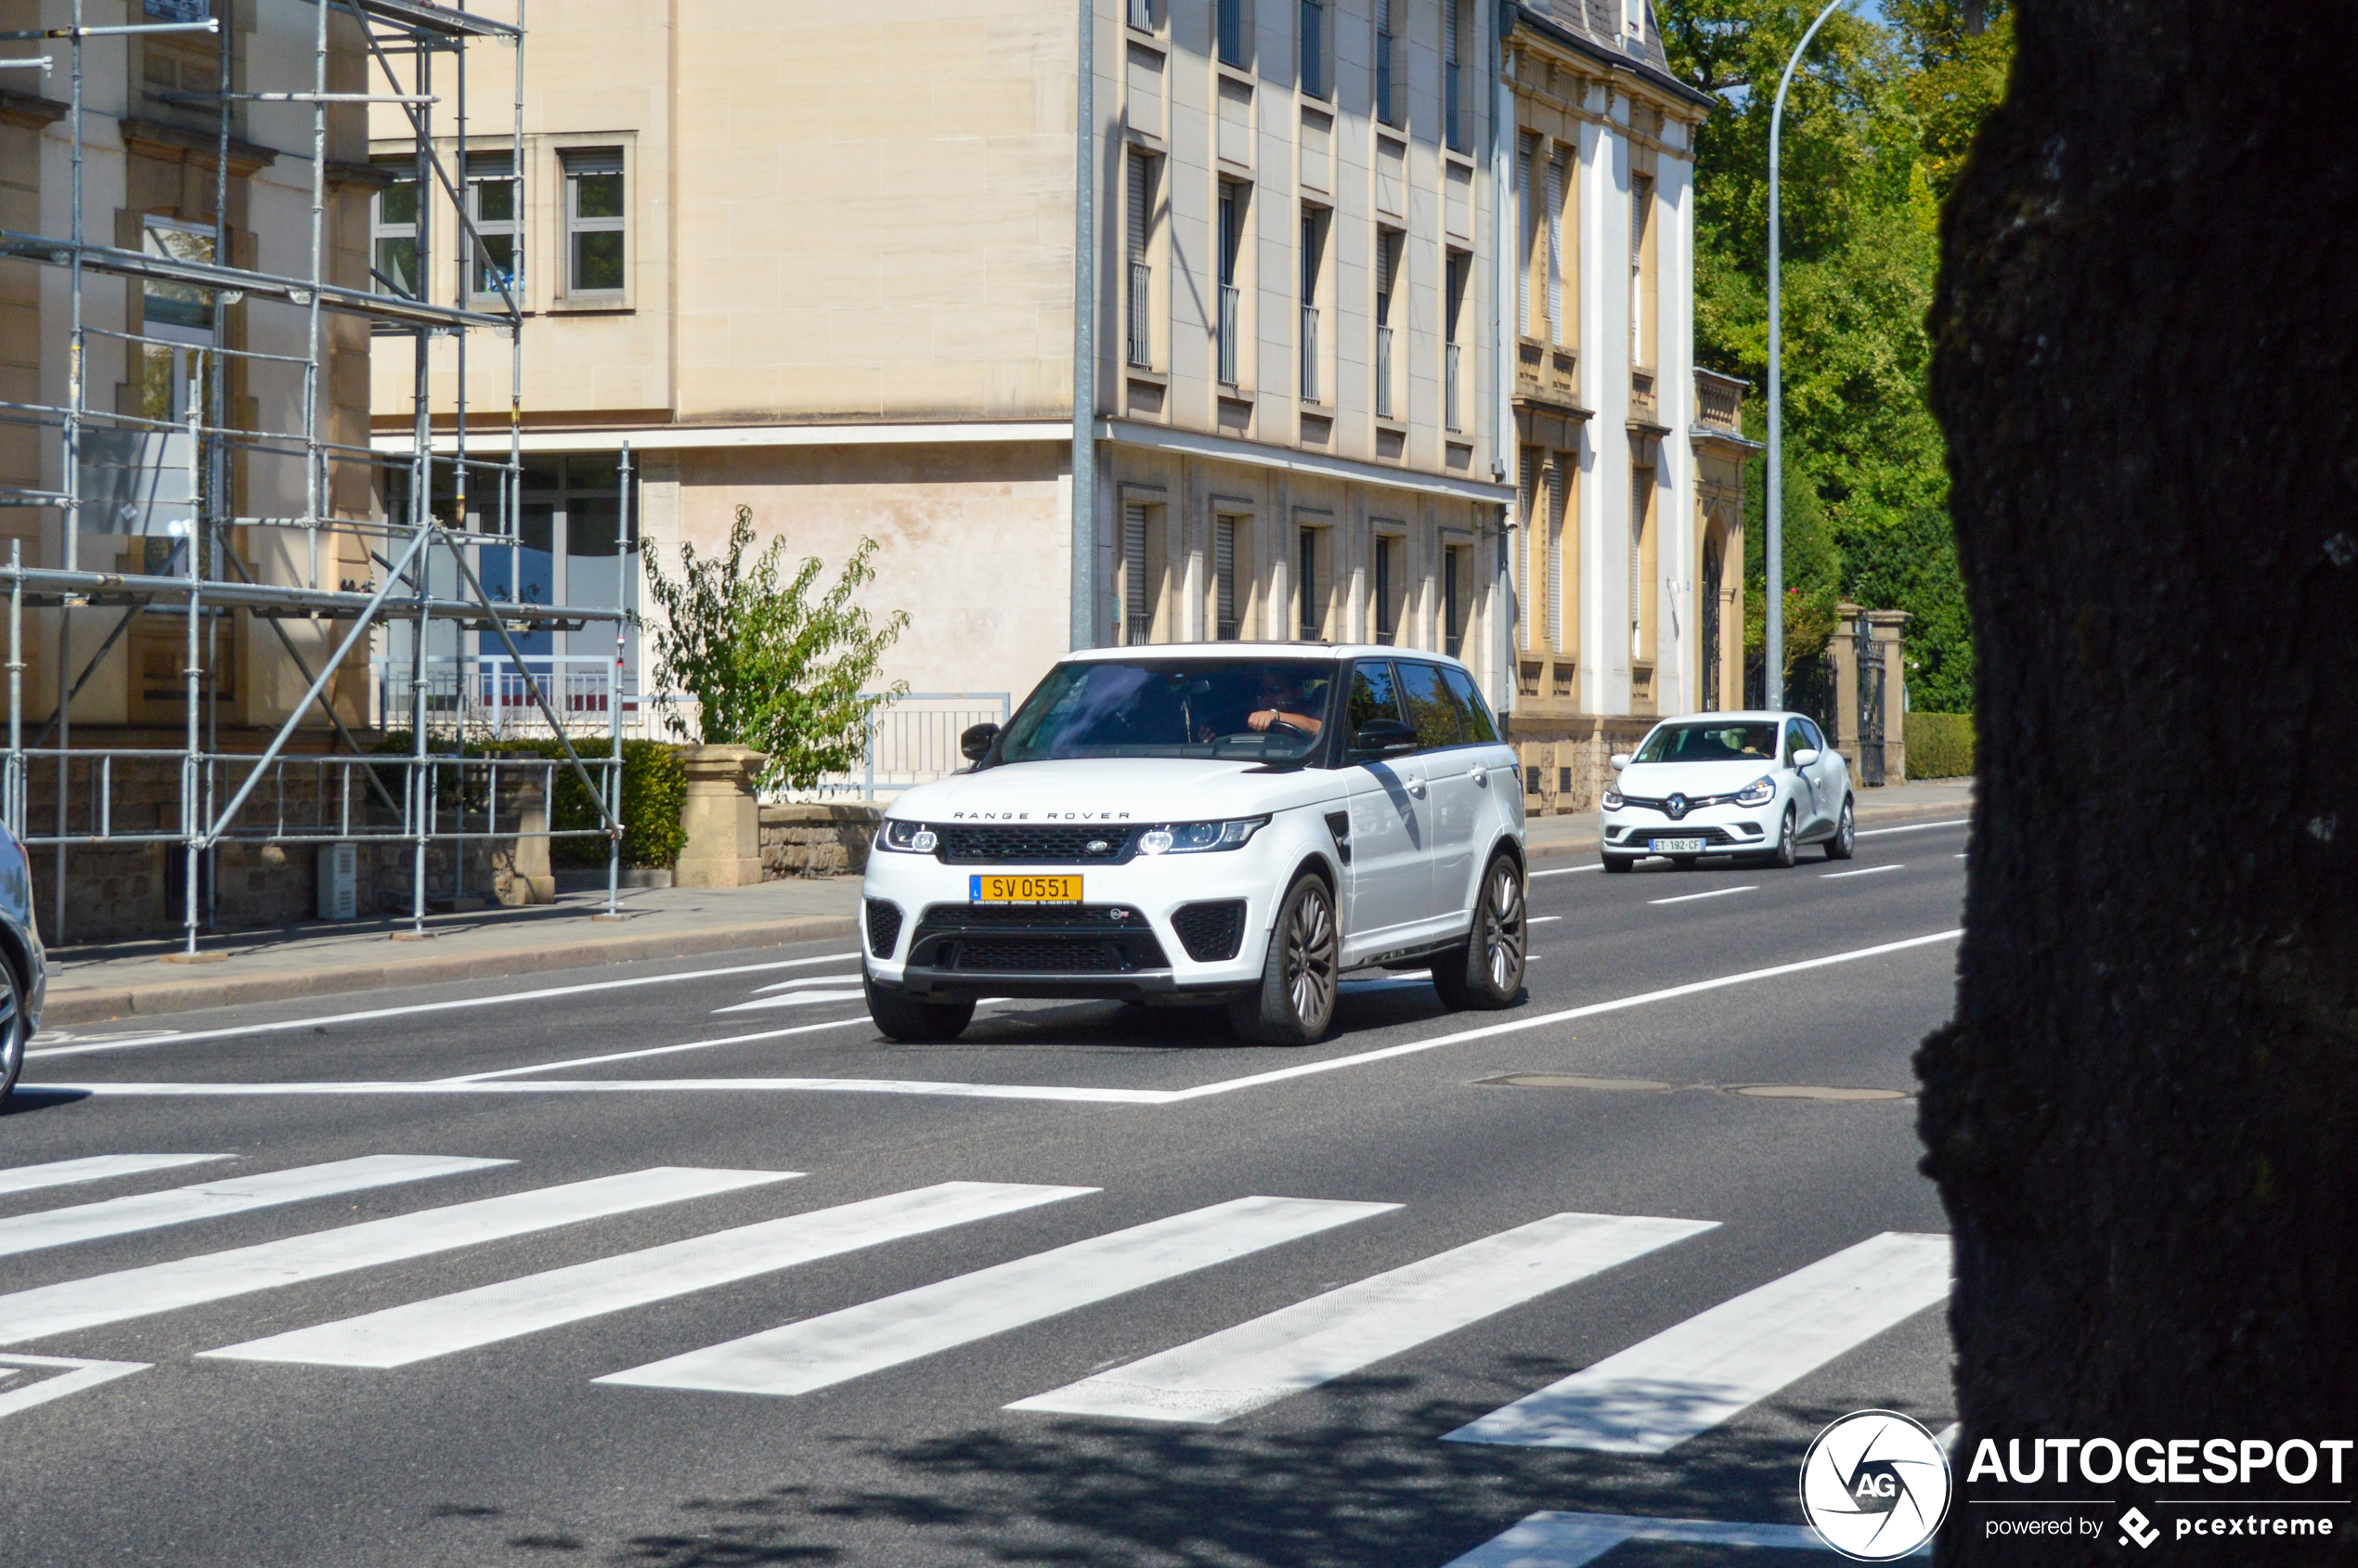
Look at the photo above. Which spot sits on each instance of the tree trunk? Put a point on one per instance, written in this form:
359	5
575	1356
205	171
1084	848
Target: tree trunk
2145	1120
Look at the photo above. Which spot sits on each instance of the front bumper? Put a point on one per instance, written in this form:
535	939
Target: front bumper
1725	830
1136	935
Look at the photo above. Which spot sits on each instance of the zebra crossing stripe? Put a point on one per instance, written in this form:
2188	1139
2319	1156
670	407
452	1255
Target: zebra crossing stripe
1573	1540
398	1335
1241	1369
230	1195
820	1352
213	1276
1690	1378
96	1168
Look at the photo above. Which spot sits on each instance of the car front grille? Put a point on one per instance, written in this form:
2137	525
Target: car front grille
884	927
1022	938
1031	844
1210	932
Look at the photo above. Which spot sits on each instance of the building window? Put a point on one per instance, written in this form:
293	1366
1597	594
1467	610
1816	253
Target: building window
1139	226
1230	24
1137	605
1459	272
1389	245
1453	117
1146	15
1633	19
1232	234
1535	574
1558	633
394	260
1642	207
1314	221
1559	174
1526	230
1456	598
594	221
1392	80
1226	599
1314	49
1389	585
1641	503
1308	594
495	205
176	319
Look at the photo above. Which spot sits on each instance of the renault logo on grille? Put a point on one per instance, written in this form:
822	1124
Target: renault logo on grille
1677	804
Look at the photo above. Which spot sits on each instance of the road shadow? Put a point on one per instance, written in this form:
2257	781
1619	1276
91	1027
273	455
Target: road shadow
30	1097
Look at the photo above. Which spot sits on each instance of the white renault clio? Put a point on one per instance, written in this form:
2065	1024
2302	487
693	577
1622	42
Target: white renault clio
1224	821
1729	783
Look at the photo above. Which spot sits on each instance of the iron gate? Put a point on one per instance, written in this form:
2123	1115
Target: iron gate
1871	696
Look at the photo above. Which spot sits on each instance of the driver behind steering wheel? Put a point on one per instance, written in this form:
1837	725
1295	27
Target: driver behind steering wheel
1281	703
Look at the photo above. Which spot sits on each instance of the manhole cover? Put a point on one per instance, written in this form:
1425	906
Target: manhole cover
1604	1085
1815	1092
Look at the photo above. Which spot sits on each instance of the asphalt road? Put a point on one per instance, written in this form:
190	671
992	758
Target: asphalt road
477	1432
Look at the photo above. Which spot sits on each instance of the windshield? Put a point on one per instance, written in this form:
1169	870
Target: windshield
1266	710
1749	741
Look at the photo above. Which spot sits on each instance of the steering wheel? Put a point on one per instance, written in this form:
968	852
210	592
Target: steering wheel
1282	724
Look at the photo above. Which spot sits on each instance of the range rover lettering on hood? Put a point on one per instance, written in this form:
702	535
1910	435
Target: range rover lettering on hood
1039	816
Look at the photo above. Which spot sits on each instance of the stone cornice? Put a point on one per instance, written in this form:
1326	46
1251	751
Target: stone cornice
155	139
30	109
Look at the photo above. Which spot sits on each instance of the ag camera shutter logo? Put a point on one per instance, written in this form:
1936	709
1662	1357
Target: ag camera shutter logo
1874	1485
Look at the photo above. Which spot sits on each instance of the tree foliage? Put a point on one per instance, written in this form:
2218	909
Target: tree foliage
773	662
1878	122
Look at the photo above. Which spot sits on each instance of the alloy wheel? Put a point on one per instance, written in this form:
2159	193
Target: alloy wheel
1502	928
1310	956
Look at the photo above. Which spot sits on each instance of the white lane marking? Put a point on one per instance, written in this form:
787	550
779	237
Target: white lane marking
284	1025
79	1374
213	1276
1243	1368
1690	1378
1914	827
794	999
1862	871
1714	893
1561	871
1006	1091
1541	919
820	1352
652	1051
807	979
94	1168
230	1195
420	1330
1573	1540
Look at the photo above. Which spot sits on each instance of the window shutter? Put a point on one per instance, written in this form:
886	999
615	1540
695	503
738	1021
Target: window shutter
1450	32
1640	483
1556	553
1138	624
1523	219
1223	577
1142	190
1556	250
1535	548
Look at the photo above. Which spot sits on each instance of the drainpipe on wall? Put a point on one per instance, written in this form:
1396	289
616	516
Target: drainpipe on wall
1501	394
1083	632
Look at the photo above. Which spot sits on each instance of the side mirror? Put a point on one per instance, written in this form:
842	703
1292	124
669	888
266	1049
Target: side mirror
1619	759
1385	736
976	741
1805	757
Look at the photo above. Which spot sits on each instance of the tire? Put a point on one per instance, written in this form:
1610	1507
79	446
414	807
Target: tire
1782	856
1845	839
1294	1003
1487	973
1617	864
902	1016
16	1029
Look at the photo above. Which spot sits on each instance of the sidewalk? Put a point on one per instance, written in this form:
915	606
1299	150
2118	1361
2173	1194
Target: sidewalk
1551	837
135	978
128	979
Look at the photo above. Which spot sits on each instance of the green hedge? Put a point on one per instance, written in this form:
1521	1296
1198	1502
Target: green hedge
1940	746
654	794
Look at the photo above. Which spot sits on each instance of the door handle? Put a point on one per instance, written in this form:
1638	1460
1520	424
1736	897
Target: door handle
1479	774
1417	788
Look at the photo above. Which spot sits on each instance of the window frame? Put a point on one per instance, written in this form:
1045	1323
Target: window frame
379	231
575	164
511	228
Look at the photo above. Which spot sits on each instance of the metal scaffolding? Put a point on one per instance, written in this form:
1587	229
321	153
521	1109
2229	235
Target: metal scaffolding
282	794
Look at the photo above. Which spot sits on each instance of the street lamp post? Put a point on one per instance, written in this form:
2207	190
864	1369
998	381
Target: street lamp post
1773	671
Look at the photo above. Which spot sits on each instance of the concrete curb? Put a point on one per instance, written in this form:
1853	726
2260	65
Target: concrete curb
1870	816
190	995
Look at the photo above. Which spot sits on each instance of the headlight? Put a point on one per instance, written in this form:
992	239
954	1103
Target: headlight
1758	793
914	838
1613	799
1195	838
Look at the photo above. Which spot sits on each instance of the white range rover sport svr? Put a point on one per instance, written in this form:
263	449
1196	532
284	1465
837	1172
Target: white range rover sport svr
1230	822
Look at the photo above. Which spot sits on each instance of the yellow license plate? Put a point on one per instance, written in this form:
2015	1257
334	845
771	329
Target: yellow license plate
1023	889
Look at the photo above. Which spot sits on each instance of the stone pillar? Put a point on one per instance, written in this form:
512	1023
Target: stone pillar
723	816
520	873
1888	626
1845	656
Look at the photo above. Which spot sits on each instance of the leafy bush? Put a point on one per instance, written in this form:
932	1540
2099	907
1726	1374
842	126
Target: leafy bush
1940	746
655	796
772	664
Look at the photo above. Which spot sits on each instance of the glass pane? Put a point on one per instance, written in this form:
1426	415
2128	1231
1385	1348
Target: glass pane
397	204
590	533
1372	696
593	470
495	201
1473	714
597	196
1721	741
1172	708
544	474
1429	708
597	262
397	263
496	263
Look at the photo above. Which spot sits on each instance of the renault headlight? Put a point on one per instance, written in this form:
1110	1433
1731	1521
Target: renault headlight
1758	792
1613	801
1196	838
914	838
